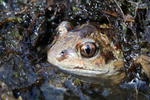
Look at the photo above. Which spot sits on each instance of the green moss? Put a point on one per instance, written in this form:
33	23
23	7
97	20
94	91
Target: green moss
19	19
15	74
77	81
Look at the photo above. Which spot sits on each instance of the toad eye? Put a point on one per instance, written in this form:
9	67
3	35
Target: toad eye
88	49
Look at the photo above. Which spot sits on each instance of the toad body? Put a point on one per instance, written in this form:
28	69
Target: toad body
88	50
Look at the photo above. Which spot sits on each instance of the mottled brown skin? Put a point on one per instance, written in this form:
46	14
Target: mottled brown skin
67	52
145	62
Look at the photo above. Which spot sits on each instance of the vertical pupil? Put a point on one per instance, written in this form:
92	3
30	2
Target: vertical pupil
88	49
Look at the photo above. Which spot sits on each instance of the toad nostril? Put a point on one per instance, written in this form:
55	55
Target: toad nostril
64	52
62	55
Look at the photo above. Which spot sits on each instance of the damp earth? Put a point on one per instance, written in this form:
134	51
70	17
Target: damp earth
27	31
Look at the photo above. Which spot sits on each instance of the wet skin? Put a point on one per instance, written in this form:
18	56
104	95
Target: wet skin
89	51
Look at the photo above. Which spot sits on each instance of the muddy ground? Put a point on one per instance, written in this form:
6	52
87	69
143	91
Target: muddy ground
27	28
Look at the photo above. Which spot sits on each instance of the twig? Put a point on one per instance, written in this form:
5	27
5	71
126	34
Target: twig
119	9
32	24
22	11
114	14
